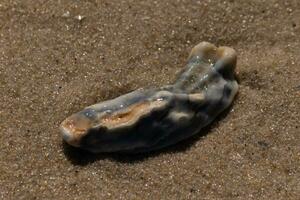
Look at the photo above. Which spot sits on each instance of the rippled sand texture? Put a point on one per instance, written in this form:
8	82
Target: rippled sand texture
57	57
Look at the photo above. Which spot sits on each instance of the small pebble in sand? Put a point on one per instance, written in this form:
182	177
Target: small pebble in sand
150	119
79	17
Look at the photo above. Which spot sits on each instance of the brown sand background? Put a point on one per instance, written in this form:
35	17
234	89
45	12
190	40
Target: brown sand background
57	57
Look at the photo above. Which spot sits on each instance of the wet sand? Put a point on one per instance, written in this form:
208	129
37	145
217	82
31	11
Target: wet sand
56	57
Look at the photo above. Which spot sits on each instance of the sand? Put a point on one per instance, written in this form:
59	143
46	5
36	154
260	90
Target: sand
56	57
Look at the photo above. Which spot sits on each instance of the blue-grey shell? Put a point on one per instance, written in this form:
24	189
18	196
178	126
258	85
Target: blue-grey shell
150	119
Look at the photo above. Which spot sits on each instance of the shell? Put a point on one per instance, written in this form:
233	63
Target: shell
150	119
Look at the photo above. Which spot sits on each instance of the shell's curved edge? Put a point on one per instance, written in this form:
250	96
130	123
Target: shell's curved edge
146	120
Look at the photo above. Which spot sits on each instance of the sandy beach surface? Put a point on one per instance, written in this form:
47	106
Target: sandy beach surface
56	57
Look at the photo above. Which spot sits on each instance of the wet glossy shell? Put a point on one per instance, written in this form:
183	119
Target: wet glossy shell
146	120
